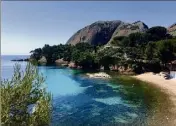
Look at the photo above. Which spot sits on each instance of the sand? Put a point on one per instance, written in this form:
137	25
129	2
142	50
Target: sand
168	86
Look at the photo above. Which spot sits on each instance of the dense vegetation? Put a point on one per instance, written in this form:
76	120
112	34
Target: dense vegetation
149	51
24	99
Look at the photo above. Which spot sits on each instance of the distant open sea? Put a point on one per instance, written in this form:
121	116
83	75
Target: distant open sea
7	65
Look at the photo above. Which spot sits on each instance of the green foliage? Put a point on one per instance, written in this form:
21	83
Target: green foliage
154	45
83	55
157	33
36	54
120	41
166	50
136	39
150	51
18	94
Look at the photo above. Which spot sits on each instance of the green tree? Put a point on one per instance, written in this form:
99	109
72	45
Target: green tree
166	50
24	90
36	54
137	38
158	33
150	50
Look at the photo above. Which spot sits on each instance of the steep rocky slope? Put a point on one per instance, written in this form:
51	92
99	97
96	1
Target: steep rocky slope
126	28
102	32
99	32
172	29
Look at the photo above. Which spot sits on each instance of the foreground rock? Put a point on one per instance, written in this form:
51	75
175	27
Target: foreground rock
98	75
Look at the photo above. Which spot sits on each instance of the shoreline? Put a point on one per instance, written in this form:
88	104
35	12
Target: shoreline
166	86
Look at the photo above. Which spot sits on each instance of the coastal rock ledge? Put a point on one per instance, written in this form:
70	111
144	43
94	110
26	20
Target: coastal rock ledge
98	75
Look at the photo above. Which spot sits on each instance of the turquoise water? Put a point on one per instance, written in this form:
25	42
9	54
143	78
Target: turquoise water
79	100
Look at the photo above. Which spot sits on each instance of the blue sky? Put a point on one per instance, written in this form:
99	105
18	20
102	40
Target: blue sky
26	25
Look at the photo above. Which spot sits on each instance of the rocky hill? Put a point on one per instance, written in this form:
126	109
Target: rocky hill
99	32
172	29
102	32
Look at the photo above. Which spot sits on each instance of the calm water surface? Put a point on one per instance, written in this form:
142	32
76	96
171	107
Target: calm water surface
79	100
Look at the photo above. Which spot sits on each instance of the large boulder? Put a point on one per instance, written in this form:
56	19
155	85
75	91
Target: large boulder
99	32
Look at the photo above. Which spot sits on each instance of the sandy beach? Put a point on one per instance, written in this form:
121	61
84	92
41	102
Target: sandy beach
168	86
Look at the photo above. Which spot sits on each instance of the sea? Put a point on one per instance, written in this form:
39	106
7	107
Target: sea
82	101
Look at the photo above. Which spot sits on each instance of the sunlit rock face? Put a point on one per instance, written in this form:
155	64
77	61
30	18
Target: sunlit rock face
172	29
101	32
126	28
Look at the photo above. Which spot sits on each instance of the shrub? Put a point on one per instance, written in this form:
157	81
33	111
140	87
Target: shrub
24	99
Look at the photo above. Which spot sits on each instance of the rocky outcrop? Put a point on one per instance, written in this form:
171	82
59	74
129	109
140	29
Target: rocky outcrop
126	28
122	70
42	60
99	32
61	62
98	75
72	65
102	32
172	29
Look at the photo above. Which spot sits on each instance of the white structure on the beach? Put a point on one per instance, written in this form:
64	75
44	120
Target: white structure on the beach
173	74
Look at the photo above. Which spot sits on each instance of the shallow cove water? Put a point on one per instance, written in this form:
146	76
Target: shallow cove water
79	100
